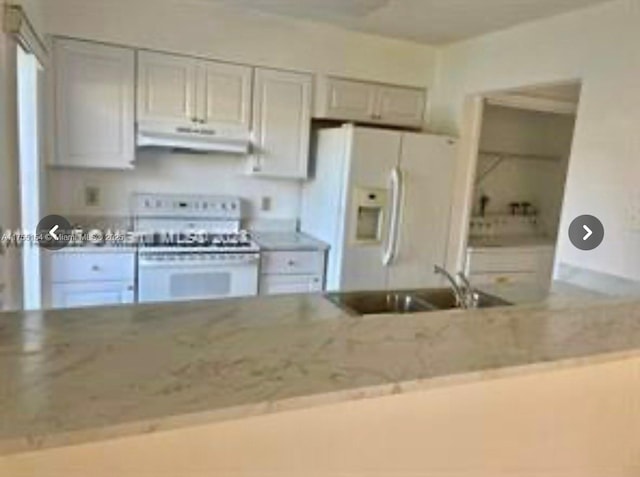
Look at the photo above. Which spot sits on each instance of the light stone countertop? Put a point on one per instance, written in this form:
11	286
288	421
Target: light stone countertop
74	376
273	241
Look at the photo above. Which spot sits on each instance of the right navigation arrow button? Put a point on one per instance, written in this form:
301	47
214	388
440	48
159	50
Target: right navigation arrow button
586	232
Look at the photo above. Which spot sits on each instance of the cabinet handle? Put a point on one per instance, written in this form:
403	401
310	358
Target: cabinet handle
130	288
194	119
95	268
291	263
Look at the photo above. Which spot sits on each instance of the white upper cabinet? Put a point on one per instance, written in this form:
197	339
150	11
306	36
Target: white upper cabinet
364	102
281	123
400	106
182	90
227	93
350	100
167	86
94	105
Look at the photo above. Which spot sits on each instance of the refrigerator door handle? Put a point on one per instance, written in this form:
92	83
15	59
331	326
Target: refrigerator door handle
396	201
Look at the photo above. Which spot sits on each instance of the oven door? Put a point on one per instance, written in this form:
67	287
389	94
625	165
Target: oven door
182	277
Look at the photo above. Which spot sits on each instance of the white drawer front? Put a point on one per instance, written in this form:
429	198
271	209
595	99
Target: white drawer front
290	284
92	267
293	263
86	294
504	279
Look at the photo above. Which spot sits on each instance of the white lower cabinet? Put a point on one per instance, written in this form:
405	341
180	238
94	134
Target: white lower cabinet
79	295
92	278
288	271
511	266
287	284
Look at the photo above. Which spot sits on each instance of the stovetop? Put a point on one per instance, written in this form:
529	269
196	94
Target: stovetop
199	242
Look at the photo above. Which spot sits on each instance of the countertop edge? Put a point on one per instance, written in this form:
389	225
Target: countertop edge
34	443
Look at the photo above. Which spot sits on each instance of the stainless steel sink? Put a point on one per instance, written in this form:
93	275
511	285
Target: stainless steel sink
404	301
367	303
445	299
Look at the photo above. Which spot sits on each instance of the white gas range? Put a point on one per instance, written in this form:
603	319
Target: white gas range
192	248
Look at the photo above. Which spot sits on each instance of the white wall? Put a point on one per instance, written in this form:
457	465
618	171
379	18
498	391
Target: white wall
200	28
540	182
173	173
600	46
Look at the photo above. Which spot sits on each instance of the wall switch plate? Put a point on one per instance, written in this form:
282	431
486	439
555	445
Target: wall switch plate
265	204
91	196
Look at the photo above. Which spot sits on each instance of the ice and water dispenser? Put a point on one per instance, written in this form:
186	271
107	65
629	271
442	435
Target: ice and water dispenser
370	215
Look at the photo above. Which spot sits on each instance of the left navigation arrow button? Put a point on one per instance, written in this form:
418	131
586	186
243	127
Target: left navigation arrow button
52	232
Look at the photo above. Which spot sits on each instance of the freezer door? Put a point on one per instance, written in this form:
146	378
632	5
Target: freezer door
374	153
427	163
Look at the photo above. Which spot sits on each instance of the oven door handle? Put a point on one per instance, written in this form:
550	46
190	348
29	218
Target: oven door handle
177	265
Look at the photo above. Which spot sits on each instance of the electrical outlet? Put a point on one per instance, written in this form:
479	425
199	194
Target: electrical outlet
265	204
91	196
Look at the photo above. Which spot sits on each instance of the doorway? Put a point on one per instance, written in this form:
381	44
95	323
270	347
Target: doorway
517	146
29	73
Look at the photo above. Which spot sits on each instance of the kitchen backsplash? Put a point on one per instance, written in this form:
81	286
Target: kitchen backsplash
99	193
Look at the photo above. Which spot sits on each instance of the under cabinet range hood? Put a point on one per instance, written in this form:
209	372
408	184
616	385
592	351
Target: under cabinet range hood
199	138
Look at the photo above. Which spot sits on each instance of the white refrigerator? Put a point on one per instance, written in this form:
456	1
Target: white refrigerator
381	199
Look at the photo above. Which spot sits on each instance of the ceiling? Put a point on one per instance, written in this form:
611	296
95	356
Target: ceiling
425	21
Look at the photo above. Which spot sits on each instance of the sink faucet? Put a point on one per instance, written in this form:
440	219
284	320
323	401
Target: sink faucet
466	295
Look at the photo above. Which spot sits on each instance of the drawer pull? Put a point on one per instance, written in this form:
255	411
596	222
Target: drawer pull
291	263
95	268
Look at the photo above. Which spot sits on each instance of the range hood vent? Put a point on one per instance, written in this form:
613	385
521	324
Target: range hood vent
193	138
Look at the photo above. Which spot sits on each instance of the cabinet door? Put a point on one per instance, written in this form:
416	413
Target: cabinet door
282	122
86	294
167	86
227	95
290	262
400	106
94	105
350	100
290	284
91	267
